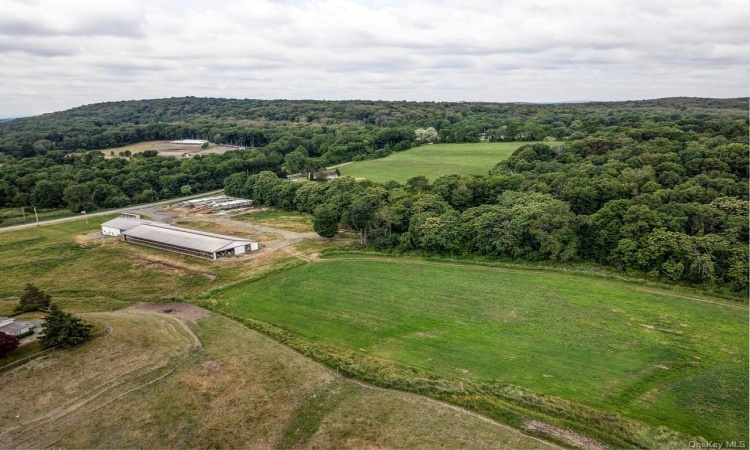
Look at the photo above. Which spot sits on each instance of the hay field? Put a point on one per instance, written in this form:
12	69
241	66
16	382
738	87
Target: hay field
653	356
435	160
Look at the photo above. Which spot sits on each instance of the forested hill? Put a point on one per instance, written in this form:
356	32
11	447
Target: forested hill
256	122
657	187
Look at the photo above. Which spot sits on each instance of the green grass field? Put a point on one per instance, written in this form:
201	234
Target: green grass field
435	160
84	273
651	356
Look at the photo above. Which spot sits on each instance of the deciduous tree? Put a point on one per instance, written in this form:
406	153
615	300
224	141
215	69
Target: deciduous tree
8	344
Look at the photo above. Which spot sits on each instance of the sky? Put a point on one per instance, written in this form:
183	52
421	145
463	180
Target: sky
60	54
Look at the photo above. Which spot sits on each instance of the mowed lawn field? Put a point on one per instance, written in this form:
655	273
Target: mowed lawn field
435	160
649	355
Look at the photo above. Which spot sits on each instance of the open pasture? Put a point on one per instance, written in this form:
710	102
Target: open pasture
151	384
652	356
435	160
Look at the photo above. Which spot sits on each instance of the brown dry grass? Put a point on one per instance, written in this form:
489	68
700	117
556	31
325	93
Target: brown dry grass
178	310
145	386
220	225
170	266
283	220
212	226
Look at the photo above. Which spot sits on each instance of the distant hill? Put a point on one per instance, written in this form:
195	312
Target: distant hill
247	122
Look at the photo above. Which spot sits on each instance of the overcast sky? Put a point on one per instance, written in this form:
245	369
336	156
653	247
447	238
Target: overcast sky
64	53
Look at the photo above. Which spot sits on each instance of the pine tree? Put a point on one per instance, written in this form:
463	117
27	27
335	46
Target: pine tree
32	299
63	329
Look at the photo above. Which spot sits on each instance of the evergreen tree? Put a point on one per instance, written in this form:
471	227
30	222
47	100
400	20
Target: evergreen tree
32	299
64	329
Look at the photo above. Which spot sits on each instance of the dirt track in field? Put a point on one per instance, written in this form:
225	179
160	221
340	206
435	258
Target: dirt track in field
178	311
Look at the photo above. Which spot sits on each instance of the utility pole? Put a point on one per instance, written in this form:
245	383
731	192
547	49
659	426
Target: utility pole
37	218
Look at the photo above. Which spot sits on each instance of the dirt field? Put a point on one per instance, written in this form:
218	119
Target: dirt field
147	385
162	146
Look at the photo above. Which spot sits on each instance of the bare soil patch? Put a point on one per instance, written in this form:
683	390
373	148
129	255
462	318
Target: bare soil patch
211	366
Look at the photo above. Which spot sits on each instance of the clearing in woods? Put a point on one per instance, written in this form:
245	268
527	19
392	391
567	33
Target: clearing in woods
150	384
162	146
652	356
435	160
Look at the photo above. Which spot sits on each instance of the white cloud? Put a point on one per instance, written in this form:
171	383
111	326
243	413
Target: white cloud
70	52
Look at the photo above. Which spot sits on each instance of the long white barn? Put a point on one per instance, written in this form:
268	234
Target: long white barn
181	240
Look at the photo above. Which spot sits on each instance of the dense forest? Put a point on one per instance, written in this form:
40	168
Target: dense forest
658	186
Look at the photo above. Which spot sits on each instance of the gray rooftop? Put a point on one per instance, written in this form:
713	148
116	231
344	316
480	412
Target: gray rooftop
183	237
15	327
126	223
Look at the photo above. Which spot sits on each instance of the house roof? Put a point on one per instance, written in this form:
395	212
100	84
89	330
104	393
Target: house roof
14	327
183	237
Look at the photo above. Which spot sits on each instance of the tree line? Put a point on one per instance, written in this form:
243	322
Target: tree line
650	199
256	123
45	163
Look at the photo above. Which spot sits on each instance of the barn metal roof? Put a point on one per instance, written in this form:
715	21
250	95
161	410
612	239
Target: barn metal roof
183	237
125	223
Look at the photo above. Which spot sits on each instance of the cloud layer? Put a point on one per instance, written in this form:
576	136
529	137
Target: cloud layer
65	53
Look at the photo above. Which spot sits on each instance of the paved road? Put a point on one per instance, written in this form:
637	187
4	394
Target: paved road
104	213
